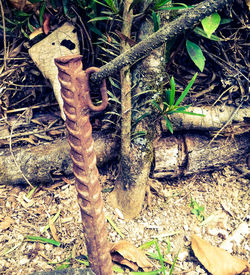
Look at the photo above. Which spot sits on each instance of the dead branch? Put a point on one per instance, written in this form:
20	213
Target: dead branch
189	154
215	118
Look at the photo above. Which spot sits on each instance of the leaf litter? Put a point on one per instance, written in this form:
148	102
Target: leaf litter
169	220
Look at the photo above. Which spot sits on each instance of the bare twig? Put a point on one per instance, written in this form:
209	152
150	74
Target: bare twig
32	132
4	36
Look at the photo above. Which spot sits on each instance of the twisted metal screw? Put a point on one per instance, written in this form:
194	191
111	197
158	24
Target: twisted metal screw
77	103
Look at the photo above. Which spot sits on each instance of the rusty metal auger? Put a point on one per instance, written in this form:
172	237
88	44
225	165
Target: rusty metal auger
77	103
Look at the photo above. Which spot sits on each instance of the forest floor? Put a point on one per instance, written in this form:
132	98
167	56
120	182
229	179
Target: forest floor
223	193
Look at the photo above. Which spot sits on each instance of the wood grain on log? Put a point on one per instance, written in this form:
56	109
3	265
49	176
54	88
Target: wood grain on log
188	154
215	117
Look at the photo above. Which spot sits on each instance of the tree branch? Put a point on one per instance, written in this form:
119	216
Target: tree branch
183	23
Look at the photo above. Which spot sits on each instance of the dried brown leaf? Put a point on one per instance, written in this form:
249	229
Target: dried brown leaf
119	259
130	254
53	231
31	139
46	21
6	223
55	132
216	260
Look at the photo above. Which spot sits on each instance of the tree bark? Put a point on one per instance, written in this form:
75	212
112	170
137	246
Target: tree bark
192	153
215	118
39	163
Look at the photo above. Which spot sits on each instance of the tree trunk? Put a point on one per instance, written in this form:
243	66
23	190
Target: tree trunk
137	155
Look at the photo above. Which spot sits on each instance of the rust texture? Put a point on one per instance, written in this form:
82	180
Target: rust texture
77	103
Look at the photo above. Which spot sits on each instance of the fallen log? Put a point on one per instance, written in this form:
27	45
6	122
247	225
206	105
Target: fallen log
39	163
193	153
173	156
215	118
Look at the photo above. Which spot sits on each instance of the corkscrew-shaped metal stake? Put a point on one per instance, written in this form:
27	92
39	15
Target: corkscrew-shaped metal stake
77	103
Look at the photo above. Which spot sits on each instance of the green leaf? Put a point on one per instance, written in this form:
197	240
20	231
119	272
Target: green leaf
147	244
30	26
178	110
138	134
167	98
24	33
113	98
41	13
140	118
155	272
172	95
168	124
86	263
100	3
112	6
64	265
195	53
165	107
173	265
201	32
115	227
95	30
65	4
211	23
225	21
182	96
160	3
160	257
175	6
118	269
100	18
22	14
156	20
41	240
53	219
191	113
157	105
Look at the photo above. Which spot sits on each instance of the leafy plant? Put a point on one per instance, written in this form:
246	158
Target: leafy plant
158	257
209	24
167	5
197	210
164	5
196	54
170	106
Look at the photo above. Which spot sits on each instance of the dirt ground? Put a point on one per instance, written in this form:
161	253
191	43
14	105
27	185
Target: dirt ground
224	194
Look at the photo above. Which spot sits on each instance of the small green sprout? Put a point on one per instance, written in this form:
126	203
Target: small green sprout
197	210
170	106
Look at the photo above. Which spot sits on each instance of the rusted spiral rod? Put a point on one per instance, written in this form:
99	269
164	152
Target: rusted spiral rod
77	103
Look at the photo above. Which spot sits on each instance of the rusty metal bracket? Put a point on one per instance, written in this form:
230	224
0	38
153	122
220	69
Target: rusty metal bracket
77	103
